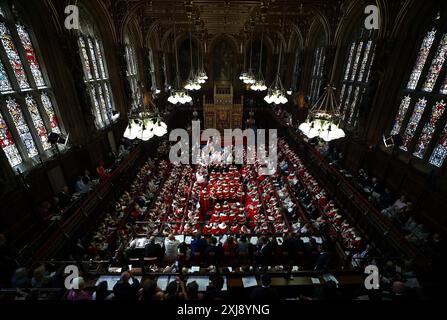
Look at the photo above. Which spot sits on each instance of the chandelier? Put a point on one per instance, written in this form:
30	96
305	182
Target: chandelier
259	84
201	76
248	77
178	95
276	93
323	119
144	124
192	83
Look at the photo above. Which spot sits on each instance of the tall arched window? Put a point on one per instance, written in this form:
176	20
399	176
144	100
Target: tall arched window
151	71
420	120
317	73
132	72
27	107
356	75
96	74
296	71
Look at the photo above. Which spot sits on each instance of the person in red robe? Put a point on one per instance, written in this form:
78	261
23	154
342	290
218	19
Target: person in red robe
102	173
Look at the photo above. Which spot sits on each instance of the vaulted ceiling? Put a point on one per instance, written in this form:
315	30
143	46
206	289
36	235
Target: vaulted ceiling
233	17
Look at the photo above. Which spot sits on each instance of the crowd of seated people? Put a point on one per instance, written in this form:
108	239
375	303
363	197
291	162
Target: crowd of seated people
322	212
85	183
149	207
101	243
118	224
398	209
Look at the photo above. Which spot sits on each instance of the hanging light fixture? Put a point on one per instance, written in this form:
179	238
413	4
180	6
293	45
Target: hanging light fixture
243	75
201	76
191	83
178	95
259	84
323	119
276	93
144	124
250	77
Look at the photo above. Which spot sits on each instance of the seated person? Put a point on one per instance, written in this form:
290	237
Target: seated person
123	290
153	249
398	206
386	199
264	293
81	187
171	248
64	197
102	172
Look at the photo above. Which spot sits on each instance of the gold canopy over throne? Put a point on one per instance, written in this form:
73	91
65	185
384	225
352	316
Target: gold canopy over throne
224	111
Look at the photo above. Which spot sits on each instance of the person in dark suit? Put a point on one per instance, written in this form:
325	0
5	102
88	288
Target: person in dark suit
265	252
214	290
212	251
264	293
153	249
198	244
323	259
123	290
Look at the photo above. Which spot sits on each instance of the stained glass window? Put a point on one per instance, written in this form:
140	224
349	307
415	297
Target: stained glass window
342	94
359	60
103	104
5	85
353	106
97	108
27	113
365	60
348	65
436	66
37	121
371	64
440	153
317	73
413	123
8	145
49	110
427	117
30	55
108	99
132	74
100	59
347	99
403	108
85	59
22	127
13	56
356	61
421	59
93	58
429	129
95	73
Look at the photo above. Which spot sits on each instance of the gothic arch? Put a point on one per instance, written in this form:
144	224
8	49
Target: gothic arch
231	39
317	33
296	39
